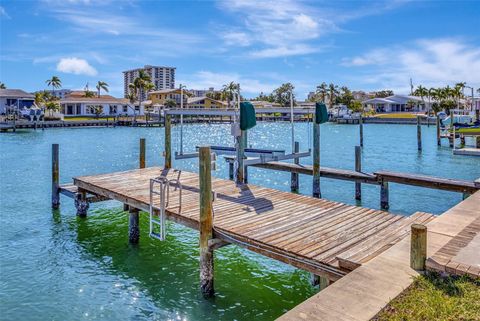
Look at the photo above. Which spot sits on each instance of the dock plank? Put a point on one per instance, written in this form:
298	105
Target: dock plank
306	232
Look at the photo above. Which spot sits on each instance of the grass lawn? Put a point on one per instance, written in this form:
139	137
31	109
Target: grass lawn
435	298
396	115
468	130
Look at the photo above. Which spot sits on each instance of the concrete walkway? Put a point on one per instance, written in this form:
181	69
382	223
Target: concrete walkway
361	294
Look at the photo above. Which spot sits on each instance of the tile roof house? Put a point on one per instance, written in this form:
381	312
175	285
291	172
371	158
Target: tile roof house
15	98
77	104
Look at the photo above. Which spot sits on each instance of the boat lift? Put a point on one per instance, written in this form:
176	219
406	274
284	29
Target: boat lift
258	155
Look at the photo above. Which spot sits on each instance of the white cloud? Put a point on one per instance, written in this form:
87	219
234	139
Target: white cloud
76	66
240	39
3	13
284	51
430	62
280	28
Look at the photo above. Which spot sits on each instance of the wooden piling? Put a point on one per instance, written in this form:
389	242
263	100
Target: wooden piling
419	134
418	247
294	183
358	168
142	153
319	280
168	141
360	123
240	157
439	141
133	226
323	283
384	205
230	171
55	177
125	207
81	203
316	161
206	222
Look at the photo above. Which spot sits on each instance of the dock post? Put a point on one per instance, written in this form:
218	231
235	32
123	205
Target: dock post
55	177
316	161
142	153
294	183
133	225
439	142
358	168
360	123
419	134
206	222
240	157
418	247
245	144
384	196
230	171
81	203
168	141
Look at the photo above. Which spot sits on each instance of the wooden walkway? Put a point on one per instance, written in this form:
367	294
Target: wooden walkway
323	237
453	246
440	183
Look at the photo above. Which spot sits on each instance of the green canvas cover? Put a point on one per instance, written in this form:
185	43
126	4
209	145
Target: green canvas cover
248	118
321	114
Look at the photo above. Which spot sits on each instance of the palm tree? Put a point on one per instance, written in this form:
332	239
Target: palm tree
140	82
101	85
322	91
54	82
457	92
421	92
132	97
228	91
88	93
432	94
39	99
332	94
2	85
170	103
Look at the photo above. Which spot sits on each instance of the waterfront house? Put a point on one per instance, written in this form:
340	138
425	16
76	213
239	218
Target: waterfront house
205	102
76	104
395	103
15	98
160	97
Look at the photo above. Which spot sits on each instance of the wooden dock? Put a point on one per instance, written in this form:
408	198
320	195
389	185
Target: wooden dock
376	178
324	237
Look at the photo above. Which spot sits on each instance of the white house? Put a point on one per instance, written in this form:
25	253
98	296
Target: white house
15	98
395	103
76	104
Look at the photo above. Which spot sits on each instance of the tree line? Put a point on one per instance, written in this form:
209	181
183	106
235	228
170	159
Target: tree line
442	98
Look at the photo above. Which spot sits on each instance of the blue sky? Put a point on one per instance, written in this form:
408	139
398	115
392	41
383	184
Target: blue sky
261	44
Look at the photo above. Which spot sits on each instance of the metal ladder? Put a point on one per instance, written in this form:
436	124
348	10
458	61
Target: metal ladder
160	186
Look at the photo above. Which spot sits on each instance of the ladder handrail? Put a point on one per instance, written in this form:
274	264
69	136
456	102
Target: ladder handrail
164	193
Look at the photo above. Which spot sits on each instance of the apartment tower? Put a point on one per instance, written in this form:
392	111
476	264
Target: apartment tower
162	78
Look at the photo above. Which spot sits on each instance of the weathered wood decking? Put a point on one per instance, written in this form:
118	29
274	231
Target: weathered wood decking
440	183
324	237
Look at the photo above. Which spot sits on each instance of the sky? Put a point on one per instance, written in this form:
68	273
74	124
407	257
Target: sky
365	45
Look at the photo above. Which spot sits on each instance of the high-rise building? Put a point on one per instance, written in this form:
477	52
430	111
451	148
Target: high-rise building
162	78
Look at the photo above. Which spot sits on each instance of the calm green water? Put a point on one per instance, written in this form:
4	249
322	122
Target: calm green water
54	266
